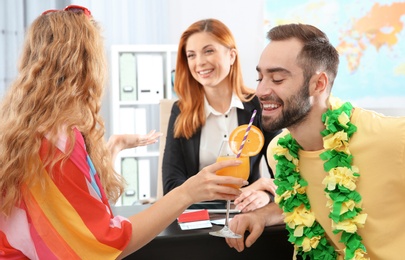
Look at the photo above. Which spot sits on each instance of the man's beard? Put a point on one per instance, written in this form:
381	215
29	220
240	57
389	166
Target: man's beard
297	109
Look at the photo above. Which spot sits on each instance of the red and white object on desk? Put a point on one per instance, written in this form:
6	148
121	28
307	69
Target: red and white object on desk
194	220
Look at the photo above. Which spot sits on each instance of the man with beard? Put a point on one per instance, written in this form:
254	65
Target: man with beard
331	160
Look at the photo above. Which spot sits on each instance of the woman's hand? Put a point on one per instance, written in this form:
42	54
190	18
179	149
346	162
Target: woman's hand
252	199
206	185
255	195
117	143
142	140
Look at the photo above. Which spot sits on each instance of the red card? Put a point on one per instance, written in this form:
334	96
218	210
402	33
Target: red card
194	216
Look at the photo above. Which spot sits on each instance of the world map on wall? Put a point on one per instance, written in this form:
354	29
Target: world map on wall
370	38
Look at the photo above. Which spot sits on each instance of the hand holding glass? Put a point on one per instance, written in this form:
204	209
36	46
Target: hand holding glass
240	171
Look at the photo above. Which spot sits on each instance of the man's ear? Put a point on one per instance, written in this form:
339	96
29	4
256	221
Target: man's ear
319	83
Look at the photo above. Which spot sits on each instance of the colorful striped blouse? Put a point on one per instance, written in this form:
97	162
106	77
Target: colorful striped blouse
70	219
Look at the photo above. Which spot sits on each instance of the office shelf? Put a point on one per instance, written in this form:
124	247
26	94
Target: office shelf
142	75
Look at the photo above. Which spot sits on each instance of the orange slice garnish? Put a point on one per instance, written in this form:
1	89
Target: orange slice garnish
254	141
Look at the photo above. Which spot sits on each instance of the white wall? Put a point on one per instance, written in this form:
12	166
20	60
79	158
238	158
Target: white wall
11	36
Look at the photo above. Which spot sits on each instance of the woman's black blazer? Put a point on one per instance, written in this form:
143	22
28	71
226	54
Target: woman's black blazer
181	155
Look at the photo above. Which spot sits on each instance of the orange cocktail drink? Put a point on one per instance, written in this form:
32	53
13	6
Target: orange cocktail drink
244	141
241	145
240	171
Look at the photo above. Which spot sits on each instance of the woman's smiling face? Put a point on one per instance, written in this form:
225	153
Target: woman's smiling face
208	60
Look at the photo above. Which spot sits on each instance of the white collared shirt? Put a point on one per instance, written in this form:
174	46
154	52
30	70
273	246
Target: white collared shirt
217	128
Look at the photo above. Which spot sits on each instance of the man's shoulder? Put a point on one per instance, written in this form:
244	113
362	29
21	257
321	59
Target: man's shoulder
283	133
273	143
370	117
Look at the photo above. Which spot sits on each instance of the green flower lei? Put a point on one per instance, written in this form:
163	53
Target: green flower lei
307	235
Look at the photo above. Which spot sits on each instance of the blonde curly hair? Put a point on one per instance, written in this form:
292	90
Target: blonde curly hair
60	84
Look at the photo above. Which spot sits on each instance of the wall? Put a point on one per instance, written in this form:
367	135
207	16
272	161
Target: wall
369	36
11	37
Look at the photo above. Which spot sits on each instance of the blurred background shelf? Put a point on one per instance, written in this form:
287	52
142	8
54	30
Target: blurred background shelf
141	75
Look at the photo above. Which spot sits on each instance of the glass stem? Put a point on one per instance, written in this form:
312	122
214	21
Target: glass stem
228	206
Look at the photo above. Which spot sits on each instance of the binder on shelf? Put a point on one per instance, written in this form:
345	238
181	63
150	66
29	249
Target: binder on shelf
133	120
144	178
150	77
129	170
140	123
127	76
127	120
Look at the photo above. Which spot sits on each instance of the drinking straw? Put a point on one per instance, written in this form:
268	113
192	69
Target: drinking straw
246	133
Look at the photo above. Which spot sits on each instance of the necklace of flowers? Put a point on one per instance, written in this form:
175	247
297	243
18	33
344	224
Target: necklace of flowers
307	235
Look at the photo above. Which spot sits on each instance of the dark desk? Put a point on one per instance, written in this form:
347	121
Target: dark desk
174	243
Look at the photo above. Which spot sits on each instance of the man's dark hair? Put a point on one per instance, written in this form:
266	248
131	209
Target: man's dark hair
317	52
